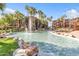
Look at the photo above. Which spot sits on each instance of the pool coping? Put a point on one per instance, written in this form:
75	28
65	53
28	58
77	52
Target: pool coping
63	36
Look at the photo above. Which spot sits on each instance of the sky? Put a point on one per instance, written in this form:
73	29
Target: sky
50	9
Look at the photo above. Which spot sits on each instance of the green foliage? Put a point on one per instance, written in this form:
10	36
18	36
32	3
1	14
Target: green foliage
19	15
7	46
31	10
49	18
2	7
41	14
16	19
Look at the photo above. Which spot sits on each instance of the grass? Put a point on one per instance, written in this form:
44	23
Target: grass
7	46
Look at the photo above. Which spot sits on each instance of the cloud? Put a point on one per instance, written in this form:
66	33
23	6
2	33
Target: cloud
73	13
8	10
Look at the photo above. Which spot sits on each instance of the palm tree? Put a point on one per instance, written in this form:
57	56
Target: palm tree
2	24
2	7
13	19
62	18
40	14
19	18
42	18
32	12
49	19
8	20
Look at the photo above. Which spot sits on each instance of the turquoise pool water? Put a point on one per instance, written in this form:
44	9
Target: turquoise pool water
50	44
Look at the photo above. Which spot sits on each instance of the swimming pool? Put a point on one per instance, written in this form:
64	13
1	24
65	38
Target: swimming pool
50	44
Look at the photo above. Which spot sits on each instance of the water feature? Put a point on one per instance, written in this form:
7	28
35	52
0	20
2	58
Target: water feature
26	29
50	44
30	24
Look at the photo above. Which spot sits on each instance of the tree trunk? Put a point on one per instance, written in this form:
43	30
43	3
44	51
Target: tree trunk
30	23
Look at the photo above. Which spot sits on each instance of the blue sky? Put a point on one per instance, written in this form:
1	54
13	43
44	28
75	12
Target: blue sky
51	9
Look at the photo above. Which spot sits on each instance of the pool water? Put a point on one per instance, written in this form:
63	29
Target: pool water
50	44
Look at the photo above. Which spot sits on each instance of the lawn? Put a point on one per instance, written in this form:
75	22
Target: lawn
7	46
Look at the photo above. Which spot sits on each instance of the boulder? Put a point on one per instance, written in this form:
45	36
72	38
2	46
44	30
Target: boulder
30	51
26	49
19	52
73	36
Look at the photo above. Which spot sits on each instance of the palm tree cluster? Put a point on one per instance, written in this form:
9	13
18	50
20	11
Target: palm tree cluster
10	20
40	22
17	21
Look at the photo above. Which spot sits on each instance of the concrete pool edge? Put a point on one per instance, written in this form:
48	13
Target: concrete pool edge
63	36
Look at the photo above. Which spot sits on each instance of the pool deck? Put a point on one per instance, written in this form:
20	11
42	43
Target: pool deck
54	33
75	33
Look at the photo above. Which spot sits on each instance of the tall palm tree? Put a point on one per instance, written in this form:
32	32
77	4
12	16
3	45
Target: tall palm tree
2	7
32	12
49	19
42	18
19	18
40	14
